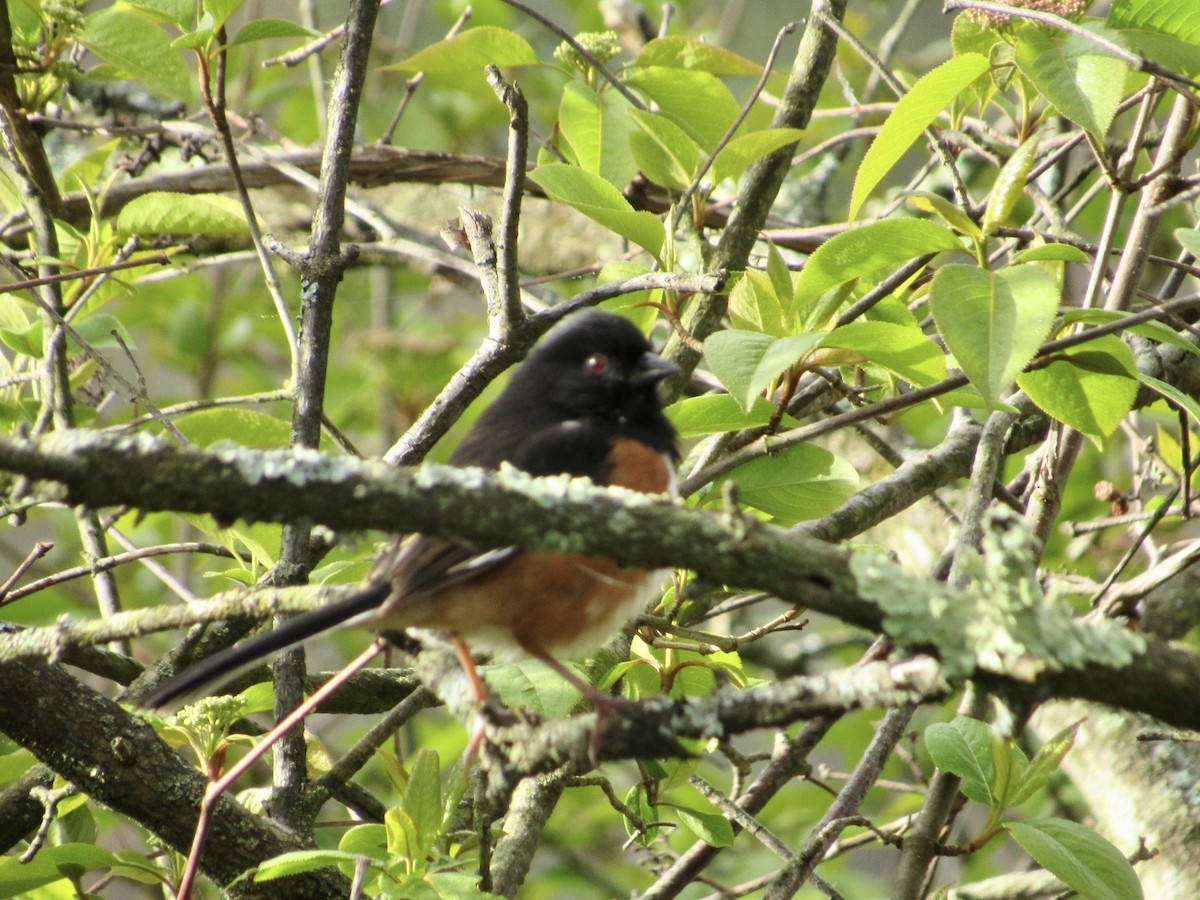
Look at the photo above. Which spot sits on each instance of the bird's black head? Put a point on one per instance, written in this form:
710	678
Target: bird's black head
594	368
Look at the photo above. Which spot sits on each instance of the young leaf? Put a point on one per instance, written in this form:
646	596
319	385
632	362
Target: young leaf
914	112
869	250
1051	253
1081	80
423	797
711	827
598	200
140	50
1010	185
1090	387
678	52
598	128
944	209
1161	30
469	52
299	861
745	149
162	212
716	413
663	150
993	322
755	306
905	350
1045	763
268	29
746	361
1080	857
697	102
802	482
964	748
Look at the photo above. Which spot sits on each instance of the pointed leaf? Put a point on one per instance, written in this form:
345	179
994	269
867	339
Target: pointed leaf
470	52
867	251
993	322
679	52
1079	857
663	150
800	483
598	129
1010	185
140	49
964	748
715	413
1045	763
754	304
905	350
711	827
1090	387
1081	80
914	112
745	149
601	202
746	361
162	212
696	101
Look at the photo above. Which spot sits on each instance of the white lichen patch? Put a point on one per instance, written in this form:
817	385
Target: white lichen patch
1000	622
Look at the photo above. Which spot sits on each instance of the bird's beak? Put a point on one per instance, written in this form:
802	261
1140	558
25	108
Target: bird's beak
651	369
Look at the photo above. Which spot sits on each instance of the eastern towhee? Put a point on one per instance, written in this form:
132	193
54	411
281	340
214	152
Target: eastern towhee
584	403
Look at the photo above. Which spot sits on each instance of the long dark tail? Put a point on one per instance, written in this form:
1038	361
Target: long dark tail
229	662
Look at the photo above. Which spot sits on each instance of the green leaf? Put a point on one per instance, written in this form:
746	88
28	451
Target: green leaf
600	201
423	797
944	209
736	156
97	330
746	361
1045	763
221	10
180	13
268	29
297	862
1189	240
598	128
1010	185
1165	31
1051	253
531	684
913	113
711	827
1082	81
697	102
905	350
140	50
50	865
716	413
754	304
799	483
993	322
162	212
663	150
867	251
964	748
1008	762
469	52
1169	391
1090	387
368	840
242	426
678	52
1079	857
1154	331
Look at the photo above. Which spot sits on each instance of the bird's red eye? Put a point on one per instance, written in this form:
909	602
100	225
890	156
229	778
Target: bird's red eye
596	364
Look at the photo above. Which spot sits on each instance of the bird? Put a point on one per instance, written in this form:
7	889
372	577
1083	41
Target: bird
583	403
